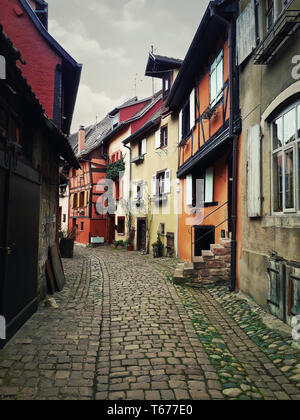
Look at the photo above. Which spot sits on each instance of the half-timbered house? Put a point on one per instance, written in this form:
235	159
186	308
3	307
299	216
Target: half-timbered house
205	97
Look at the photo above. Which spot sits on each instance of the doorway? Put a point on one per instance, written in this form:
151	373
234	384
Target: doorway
19	238
204	237
141	235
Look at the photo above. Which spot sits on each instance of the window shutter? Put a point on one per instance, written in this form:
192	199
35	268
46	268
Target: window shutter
192	109
254	172
180	127
189	190
246	32
78	200
144	147
72	201
157	139
209	185
135	191
167	182
154	185
85	198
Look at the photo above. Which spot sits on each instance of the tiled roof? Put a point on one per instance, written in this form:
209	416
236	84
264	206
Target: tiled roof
96	134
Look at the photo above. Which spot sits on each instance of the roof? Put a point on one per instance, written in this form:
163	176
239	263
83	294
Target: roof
148	126
12	54
102	132
205	39
158	65
72	67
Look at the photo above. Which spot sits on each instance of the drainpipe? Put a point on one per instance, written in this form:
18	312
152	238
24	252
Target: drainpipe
234	138
130	179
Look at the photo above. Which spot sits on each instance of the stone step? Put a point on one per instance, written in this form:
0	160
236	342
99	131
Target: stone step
207	255
226	242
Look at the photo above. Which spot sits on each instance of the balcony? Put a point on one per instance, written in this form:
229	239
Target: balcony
284	27
138	160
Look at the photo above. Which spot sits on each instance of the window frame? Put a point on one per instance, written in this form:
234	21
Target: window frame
164	129
283	150
214	68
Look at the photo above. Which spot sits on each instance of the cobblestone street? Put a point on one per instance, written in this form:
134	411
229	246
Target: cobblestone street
123	330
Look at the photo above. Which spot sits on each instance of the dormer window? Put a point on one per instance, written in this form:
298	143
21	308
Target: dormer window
167	80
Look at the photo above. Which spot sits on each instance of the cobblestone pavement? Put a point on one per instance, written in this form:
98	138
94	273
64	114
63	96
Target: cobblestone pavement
124	331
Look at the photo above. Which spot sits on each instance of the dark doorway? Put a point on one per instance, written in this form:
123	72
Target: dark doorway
19	235
204	237
141	235
229	193
111	229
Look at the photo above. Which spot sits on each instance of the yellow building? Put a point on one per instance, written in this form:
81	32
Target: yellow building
154	163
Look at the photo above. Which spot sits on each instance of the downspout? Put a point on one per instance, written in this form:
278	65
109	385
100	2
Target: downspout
130	179
234	138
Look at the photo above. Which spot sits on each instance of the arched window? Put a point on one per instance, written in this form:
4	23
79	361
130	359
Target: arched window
286	161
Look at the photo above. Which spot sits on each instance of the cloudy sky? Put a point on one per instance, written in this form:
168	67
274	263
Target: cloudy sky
112	39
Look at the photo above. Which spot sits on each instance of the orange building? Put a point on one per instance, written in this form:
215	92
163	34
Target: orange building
205	97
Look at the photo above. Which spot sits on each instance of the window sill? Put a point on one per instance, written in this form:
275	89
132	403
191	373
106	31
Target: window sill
283	221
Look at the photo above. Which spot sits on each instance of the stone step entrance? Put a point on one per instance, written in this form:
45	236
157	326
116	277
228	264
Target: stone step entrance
213	267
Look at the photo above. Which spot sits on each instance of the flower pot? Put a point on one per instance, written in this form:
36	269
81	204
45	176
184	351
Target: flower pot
129	247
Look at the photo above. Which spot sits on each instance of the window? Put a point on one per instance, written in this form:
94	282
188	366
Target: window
64	218
121	226
286	161
142	145
186	119
270	13
82	226
216	79
161	184
161	137
167	84
200	188
75	201
164	136
81	199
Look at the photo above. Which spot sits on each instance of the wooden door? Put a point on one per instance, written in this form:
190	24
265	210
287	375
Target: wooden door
112	228
19	226
141	235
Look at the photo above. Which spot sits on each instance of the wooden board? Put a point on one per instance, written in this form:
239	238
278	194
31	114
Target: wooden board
57	267
50	278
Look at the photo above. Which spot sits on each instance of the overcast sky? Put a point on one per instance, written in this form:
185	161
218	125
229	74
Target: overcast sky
112	39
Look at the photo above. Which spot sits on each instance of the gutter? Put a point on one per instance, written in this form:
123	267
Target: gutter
234	138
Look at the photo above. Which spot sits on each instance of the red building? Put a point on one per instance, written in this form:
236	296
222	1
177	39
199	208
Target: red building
53	74
96	147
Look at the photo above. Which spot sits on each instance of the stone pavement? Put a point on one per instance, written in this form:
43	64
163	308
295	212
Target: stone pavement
124	331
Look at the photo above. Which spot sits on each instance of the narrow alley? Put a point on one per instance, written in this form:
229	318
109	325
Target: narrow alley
124	331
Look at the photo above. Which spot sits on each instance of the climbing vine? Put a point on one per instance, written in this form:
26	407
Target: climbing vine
114	169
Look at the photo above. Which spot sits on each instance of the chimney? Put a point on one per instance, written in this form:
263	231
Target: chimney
81	139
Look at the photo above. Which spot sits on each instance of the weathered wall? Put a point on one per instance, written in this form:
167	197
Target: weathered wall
261	86
48	160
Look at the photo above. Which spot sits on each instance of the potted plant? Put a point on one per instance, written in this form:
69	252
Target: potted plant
120	245
158	248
